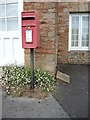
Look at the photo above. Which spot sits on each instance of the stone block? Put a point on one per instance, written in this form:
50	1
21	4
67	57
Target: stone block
63	77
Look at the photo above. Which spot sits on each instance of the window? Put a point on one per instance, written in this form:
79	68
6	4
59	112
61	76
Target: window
79	32
8	15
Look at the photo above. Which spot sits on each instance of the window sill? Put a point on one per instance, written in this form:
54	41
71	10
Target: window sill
78	49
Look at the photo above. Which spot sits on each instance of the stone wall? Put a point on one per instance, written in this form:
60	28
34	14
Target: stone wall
79	57
45	56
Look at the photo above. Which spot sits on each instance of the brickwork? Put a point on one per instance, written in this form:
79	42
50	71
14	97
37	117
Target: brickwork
56	0
63	33
54	34
45	56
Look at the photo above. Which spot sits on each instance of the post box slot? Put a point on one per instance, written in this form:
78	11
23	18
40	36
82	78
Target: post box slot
28	25
28	18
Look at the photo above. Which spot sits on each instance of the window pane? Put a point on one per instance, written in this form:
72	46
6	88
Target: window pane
85	43
85	22
11	1
72	43
2	10
12	24
2	25
75	22
74	37
2	1
75	31
85	31
76	43
12	10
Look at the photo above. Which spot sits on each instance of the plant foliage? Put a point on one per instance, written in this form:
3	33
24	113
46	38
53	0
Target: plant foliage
18	79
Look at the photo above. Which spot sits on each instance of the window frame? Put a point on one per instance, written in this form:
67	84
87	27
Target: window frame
18	17
80	47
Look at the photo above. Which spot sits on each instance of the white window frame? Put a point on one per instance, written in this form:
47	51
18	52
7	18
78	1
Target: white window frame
80	47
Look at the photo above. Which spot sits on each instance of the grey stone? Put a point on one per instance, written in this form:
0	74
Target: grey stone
63	77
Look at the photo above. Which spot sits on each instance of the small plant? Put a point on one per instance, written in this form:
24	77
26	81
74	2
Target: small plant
17	79
43	80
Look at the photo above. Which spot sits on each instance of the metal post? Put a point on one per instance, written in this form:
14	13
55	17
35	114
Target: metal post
32	68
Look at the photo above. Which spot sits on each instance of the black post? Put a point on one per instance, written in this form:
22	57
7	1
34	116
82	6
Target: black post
32	68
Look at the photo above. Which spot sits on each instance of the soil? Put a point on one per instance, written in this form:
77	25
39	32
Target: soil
35	93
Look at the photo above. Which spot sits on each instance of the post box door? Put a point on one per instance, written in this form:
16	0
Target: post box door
29	37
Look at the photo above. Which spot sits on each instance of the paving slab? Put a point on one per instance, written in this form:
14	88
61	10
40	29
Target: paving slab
32	108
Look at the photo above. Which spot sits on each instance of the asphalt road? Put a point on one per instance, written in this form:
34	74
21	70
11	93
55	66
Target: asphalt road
73	97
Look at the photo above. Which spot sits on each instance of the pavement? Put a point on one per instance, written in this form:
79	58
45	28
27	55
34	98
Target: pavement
32	108
73	97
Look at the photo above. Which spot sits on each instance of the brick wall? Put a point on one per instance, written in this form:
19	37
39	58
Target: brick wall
45	56
54	34
79	57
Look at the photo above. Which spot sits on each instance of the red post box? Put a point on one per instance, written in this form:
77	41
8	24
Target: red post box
30	30
30	36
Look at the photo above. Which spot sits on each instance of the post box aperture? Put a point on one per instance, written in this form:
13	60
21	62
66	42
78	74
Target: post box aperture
30	30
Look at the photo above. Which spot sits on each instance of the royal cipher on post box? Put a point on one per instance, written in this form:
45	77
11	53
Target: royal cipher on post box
30	30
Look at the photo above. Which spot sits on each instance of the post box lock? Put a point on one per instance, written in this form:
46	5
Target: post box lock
28	26
30	30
